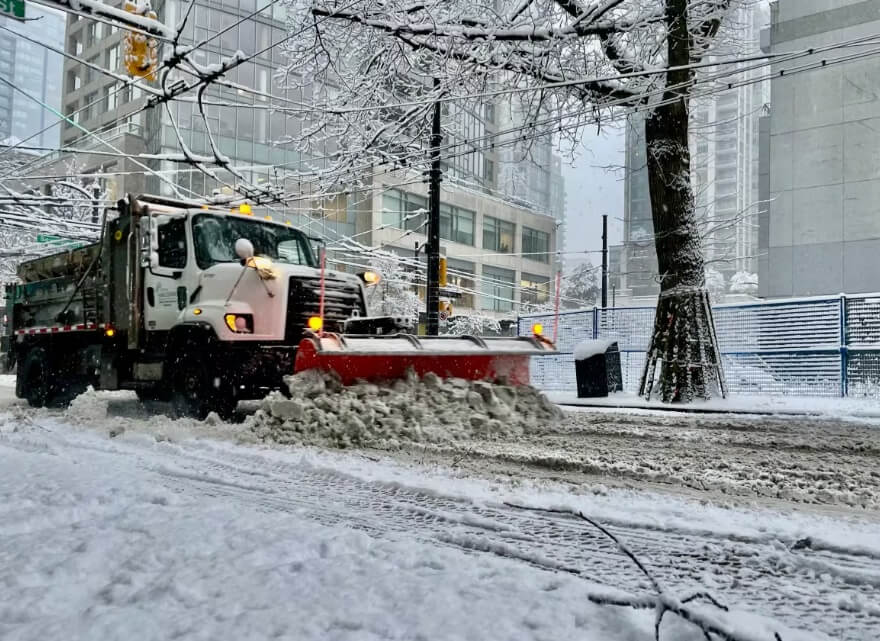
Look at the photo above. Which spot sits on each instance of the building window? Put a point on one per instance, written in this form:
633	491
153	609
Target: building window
74	81
460	276
489	112
401	210
75	45
416	212
111	98
498	235
489	170
534	290
498	287
90	73
536	245
456	224
72	110
113	58
89	107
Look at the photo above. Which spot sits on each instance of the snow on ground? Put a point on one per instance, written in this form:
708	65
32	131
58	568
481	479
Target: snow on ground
94	544
137	538
120	524
723	458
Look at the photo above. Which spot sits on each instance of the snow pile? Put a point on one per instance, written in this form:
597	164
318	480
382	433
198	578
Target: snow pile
89	407
321	411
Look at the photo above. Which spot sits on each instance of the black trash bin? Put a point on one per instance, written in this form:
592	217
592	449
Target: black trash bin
597	368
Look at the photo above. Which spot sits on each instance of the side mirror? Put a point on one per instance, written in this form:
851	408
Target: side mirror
244	248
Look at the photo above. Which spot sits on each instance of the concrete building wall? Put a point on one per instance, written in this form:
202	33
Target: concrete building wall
94	100
823	227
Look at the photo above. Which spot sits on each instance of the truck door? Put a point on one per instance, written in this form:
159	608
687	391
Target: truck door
166	287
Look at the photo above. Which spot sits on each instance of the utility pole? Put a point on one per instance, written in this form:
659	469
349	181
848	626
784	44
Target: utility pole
433	249
604	261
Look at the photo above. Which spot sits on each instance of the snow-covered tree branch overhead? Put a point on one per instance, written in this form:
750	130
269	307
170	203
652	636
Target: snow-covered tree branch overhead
375	68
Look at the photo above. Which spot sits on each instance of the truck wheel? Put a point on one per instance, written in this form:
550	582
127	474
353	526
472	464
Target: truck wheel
150	394
36	378
195	394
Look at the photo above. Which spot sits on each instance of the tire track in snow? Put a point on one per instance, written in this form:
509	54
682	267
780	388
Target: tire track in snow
812	590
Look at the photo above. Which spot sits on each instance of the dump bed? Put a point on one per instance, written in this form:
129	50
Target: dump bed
70	263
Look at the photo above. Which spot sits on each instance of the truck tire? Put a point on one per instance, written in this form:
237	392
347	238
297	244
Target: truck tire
195	393
36	378
152	394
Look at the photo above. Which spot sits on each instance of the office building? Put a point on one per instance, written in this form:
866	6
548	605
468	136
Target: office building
35	73
724	145
821	145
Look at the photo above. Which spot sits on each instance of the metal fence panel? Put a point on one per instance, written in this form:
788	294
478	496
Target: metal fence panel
630	326
863	321
808	347
778	326
863	374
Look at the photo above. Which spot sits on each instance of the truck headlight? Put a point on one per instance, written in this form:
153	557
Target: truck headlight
370	278
240	323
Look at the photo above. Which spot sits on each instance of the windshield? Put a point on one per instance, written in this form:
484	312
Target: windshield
215	237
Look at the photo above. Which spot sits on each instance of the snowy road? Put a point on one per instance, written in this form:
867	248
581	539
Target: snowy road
827	465
101	534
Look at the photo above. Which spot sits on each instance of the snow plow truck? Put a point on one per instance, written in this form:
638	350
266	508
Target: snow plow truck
205	306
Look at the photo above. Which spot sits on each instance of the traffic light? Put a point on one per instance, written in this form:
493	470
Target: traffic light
442	271
141	51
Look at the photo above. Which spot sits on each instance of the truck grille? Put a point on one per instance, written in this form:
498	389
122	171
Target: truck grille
342	300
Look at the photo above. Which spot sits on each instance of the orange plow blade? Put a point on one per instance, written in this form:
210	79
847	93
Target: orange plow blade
378	358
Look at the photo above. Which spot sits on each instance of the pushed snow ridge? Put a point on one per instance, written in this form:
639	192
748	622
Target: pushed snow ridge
320	411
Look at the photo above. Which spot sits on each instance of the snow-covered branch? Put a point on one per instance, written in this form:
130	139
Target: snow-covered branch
715	622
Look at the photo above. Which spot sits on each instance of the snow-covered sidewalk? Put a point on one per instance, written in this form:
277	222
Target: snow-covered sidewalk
865	410
157	534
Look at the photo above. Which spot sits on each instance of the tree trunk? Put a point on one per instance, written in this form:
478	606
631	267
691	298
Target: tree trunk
683	342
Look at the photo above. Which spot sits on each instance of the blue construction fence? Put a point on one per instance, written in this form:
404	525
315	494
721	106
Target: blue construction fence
827	346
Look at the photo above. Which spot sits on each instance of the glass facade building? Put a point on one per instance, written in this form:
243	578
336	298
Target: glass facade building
35	70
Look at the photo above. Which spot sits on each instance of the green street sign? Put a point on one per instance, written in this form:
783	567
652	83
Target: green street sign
12	8
58	241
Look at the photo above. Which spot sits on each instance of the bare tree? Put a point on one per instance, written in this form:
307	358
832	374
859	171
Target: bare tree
395	295
581	287
68	209
474	324
374	69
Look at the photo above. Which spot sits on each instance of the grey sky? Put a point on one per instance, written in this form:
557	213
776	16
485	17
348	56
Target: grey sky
592	188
